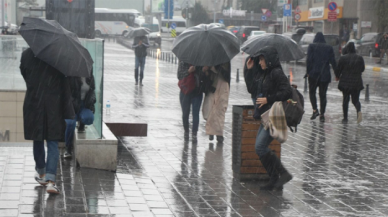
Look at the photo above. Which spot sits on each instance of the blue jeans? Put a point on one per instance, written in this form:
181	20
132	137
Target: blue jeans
49	168
139	61
194	100
70	127
263	139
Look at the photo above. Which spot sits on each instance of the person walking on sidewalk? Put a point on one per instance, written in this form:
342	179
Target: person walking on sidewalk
192	99
383	44
319	56
46	106
216	99
349	73
83	98
274	86
140	44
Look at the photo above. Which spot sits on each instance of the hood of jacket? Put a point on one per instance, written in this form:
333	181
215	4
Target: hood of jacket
271	57
319	38
350	48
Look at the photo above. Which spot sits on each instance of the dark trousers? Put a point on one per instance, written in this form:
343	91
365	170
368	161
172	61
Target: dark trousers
313	85
194	100
355	100
139	62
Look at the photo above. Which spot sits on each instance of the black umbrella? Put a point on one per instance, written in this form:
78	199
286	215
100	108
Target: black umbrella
140	31
206	45
287	48
57	46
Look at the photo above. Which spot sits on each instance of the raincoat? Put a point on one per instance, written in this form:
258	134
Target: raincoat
319	55
216	103
275	86
349	70
47	102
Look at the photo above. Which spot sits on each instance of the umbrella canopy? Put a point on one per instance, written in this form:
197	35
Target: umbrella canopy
140	31
56	46
287	48
206	45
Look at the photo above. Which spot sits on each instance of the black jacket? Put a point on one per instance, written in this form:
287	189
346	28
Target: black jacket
319	55
251	76
141	50
90	97
349	70
47	102
275	85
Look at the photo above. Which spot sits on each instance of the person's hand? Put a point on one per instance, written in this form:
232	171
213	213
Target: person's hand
336	79
250	63
140	42
205	68
261	101
191	69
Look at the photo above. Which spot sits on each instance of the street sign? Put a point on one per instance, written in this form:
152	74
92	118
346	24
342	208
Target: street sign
173	33
168	9
287	10
268	13
264	10
221	21
297	17
298	10
263	18
332	6
332	16
173	26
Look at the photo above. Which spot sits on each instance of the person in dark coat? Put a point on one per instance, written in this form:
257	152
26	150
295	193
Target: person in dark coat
46	106
274	87
319	56
83	97
251	77
193	99
140	44
349	73
383	45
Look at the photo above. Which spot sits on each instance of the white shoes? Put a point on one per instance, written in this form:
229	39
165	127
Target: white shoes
359	117
42	180
52	188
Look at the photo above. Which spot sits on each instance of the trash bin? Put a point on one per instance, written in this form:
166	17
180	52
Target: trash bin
246	164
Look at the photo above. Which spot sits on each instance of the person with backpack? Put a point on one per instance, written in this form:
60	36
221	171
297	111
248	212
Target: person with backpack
349	73
319	56
191	94
273	86
140	44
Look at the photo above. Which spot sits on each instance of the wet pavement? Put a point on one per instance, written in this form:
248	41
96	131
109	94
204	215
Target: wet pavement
339	170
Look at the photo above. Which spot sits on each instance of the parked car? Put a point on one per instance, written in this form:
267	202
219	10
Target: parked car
234	29
256	33
369	44
245	31
332	40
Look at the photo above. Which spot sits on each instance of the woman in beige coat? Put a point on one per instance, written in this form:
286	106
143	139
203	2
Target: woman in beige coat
216	99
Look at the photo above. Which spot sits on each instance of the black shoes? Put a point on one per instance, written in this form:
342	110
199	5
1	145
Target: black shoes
322	118
315	115
211	137
137	83
345	121
279	176
220	139
81	128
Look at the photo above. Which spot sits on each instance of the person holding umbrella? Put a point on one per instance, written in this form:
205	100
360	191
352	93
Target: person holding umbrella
53	54
274	86
140	44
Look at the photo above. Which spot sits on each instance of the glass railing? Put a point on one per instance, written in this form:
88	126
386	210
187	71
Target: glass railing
11	48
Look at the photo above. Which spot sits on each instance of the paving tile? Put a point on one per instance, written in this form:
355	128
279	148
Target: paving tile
9	212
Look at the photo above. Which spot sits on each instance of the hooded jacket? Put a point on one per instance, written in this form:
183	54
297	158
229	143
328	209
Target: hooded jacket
275	85
349	70
251	76
90	97
319	56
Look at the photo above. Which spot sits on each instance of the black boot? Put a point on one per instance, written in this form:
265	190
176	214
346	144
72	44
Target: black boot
272	173
220	139
284	175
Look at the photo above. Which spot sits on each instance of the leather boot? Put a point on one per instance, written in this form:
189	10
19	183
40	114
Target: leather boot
284	175
271	170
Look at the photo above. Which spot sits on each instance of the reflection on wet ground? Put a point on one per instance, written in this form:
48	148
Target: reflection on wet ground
339	170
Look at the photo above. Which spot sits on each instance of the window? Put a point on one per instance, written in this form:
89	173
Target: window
180	24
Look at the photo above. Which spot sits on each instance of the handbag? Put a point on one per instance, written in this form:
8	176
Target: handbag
187	84
86	116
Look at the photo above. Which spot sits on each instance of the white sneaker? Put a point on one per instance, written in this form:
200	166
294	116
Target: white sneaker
42	180
67	155
359	117
52	188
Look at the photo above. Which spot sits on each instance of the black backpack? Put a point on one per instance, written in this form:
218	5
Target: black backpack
294	108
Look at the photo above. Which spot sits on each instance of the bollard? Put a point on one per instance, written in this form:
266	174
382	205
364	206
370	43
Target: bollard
238	76
367	93
305	85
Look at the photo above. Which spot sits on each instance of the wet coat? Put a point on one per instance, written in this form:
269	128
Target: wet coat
349	70
319	56
90	97
275	85
47	102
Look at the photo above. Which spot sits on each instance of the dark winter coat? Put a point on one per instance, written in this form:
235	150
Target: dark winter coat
90	97
275	85
319	56
251	76
47	102
224	69
141	50
349	70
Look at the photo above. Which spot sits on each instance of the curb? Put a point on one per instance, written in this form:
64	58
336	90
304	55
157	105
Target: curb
376	69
